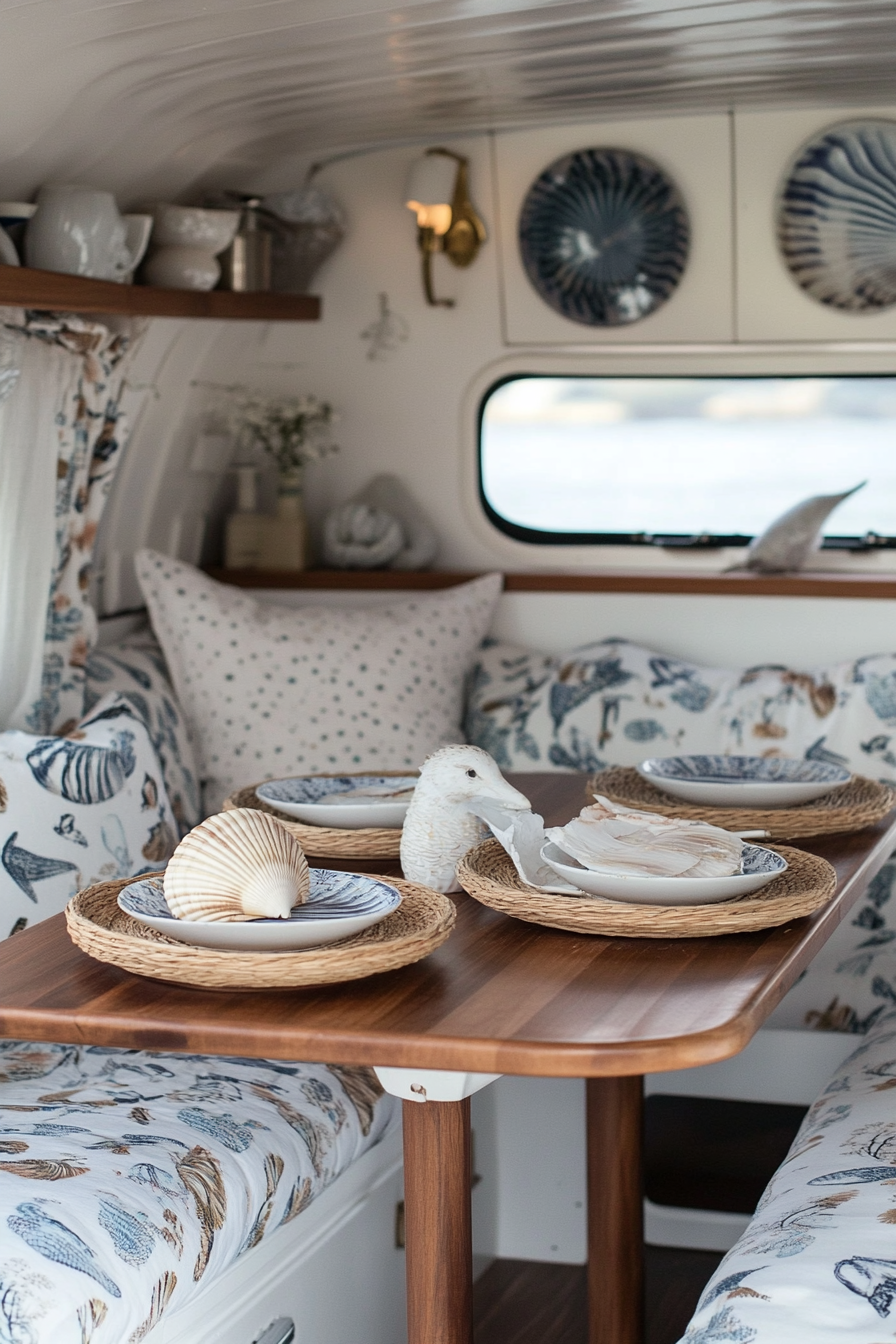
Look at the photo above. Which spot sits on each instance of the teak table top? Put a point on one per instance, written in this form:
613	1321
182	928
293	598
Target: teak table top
499	996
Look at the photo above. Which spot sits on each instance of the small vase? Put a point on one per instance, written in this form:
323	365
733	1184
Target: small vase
284	543
245	528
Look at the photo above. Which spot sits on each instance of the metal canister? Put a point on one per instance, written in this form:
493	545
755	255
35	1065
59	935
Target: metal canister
246	265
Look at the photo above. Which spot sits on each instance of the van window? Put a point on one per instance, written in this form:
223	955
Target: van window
691	462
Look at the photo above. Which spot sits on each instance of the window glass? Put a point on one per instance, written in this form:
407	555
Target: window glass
707	460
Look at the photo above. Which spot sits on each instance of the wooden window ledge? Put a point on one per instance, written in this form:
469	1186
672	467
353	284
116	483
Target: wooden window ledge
815	584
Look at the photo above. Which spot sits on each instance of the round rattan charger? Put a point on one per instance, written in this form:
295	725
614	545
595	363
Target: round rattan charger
420	924
328	842
488	875
853	807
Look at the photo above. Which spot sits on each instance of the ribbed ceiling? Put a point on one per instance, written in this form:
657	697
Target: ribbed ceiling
155	96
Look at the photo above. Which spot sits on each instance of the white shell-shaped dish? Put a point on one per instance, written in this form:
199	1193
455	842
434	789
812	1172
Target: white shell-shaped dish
742	781
339	905
235	866
303	797
758	867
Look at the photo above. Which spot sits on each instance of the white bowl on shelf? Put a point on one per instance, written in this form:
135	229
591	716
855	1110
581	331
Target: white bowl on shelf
742	781
339	906
758	867
190	226
186	243
320	801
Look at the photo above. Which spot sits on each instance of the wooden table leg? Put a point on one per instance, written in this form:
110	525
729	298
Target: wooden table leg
438	1226
615	1113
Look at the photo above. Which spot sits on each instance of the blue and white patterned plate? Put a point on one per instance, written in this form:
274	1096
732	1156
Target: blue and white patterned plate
758	867
340	801
742	781
837	216
340	905
604	236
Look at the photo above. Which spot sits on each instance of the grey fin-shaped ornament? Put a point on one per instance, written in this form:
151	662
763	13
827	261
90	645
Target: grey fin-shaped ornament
787	543
26	868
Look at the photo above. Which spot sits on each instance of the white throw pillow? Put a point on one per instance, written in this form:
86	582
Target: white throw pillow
272	691
77	810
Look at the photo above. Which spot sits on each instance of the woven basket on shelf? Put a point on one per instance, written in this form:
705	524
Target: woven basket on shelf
488	875
420	924
852	807
328	842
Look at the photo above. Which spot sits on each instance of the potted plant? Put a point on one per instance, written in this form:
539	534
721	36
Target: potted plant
293	431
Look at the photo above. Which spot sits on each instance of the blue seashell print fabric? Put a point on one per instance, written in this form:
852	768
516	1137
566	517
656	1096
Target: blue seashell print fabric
135	668
817	1264
614	703
129	1181
79	809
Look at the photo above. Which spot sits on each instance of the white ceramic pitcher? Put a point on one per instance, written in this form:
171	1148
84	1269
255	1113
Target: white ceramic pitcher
80	231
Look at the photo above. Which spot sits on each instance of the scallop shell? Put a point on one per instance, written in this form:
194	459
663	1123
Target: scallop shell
237	865
609	838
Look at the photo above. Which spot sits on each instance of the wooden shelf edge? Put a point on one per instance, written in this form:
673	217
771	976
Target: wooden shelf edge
871	586
23	287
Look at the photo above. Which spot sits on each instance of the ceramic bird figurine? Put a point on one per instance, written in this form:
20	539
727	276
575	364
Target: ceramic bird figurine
439	828
787	542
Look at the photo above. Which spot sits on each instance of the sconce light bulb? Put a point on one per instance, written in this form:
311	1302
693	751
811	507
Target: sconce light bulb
435	217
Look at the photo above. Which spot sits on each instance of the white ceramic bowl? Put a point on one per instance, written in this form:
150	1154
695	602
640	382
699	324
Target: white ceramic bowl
758	867
742	781
303	798
188	226
340	904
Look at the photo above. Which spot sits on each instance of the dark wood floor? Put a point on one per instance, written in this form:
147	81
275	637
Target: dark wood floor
698	1153
525	1302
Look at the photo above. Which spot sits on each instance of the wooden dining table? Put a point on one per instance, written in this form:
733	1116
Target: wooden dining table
499	997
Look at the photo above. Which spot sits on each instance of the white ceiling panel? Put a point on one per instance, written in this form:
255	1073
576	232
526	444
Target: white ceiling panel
156	97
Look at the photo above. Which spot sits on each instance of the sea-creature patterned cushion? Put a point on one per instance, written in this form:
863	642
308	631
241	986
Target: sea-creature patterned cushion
607	703
130	1181
614	703
844	714
135	667
852	981
817	1264
78	809
271	691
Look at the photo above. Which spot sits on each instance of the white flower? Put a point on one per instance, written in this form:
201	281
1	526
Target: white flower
292	430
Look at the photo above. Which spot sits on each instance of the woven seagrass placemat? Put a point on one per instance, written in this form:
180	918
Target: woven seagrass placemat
852	807
420	924
327	842
488	875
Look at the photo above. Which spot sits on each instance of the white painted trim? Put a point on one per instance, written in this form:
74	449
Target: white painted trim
693	1229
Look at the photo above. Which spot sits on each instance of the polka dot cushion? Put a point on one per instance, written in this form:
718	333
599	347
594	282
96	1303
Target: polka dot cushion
271	691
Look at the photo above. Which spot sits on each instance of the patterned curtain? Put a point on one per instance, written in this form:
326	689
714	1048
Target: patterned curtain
84	389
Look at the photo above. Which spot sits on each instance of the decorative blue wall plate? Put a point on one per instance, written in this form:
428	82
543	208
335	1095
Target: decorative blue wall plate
604	236
837	216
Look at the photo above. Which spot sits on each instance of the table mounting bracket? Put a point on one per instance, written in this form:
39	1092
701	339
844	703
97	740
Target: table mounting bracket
432	1084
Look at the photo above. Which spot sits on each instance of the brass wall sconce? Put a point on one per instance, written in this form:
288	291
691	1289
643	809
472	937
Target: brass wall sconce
446	220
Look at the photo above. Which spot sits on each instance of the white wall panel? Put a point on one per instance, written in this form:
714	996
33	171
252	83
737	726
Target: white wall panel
717	631
695	151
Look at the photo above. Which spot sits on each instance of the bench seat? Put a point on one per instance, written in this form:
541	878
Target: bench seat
130	1181
817	1264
